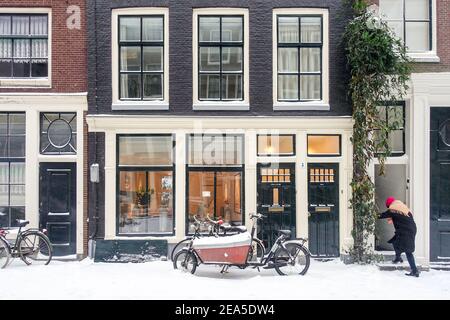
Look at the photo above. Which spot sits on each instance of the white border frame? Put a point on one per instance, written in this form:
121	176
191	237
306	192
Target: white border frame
32	82
308	105
243	105
118	104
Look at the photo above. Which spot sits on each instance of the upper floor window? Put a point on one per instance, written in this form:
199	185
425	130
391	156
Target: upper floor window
394	116
221	50
411	21
140	58
24	45
301	58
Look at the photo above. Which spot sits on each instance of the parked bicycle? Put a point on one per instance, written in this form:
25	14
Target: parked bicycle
286	256
32	246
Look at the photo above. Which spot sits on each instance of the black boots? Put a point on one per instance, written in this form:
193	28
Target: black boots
397	260
413	274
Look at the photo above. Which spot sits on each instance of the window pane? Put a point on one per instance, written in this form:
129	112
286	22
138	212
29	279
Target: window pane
209	87
392	9
153	58
201	196
232	87
5	67
130	58
396	141
382	112
396	114
311	29
17	213
39	25
310	87
145	150
4	172
4	198
152	29
39	48
232	28
287	60
5	48
417	36
215	150
145	202
228	197
21	48
210	59
17	146
232	59
209	29
397	28
417	10
323	145
3	123
130	86
5	25
17	195
275	145
20	25
17	123
288	87
39	68
310	59
17	173
21	68
4	153
288	30
130	29
153	86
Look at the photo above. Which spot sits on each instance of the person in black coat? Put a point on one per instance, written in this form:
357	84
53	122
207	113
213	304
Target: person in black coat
405	232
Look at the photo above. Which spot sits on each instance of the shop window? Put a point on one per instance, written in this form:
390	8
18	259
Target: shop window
324	145
276	145
393	183
23	46
394	117
410	20
12	168
58	133
215	178
146	185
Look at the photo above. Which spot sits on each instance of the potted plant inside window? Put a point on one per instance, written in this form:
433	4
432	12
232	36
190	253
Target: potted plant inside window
143	198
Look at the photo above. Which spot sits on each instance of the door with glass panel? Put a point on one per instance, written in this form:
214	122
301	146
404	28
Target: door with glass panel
440	185
276	200
323	207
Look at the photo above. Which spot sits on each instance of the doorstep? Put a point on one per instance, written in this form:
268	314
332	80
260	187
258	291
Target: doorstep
440	266
389	266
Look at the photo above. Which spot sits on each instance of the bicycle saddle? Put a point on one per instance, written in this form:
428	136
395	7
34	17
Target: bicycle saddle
286	233
239	229
22	223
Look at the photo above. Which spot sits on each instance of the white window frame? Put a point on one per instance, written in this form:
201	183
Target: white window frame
300	105
31	82
430	55
243	105
118	104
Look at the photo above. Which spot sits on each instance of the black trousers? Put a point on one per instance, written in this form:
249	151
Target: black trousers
410	257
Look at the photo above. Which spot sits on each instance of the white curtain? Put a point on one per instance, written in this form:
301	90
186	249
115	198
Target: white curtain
5	25
39	25
5	48
288	30
39	48
20	25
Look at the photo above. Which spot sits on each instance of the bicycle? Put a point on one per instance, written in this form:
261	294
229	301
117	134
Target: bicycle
32	246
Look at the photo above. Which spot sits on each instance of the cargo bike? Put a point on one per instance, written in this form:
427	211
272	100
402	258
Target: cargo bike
287	256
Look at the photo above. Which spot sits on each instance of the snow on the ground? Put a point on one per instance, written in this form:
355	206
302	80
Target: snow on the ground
158	280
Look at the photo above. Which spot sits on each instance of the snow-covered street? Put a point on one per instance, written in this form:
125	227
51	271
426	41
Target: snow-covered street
158	280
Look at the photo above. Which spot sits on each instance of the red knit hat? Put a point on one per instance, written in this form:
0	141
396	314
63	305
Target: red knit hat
389	201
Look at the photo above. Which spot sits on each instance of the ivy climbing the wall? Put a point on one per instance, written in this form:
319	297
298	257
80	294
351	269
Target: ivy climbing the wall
380	72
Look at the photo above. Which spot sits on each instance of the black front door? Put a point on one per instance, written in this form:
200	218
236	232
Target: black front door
440	185
276	200
323	207
58	205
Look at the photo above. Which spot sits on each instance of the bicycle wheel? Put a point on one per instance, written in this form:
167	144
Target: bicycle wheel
257	250
179	246
35	248
299	263
186	261
4	254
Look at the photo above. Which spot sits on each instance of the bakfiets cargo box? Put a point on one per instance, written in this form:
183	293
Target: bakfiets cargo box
224	250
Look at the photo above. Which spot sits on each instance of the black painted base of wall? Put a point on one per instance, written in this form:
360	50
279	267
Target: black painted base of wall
124	251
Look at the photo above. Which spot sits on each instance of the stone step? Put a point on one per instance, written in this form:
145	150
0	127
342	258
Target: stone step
386	266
